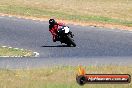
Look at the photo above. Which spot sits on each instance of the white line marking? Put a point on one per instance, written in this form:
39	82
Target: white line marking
4	56
21	49
16	48
4	46
9	47
36	54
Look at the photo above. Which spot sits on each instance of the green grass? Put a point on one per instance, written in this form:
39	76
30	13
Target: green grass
58	77
110	11
4	51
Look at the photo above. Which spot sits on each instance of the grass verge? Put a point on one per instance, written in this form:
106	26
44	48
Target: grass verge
5	51
58	77
100	11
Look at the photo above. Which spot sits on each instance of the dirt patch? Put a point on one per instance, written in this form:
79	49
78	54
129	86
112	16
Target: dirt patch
95	24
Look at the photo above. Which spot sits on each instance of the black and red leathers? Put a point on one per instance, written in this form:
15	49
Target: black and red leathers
54	28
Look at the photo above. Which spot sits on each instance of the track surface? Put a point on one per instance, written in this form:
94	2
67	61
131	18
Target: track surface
94	45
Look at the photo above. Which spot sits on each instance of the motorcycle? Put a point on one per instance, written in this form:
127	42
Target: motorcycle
64	35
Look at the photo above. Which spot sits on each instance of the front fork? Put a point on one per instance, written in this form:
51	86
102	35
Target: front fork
71	34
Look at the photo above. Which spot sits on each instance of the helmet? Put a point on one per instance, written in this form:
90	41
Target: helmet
52	21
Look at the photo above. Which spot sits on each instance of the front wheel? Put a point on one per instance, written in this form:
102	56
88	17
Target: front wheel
71	42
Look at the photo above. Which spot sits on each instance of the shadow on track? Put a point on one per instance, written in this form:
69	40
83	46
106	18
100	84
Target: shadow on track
57	46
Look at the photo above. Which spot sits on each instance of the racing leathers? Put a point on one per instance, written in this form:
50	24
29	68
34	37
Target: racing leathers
53	29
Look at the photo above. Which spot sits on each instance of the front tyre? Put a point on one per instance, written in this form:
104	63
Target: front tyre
71	42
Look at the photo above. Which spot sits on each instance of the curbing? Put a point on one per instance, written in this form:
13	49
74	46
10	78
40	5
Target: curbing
35	54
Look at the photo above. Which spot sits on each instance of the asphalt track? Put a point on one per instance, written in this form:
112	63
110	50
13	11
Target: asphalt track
94	45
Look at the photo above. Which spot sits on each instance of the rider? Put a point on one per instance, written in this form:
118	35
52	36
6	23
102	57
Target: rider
53	28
